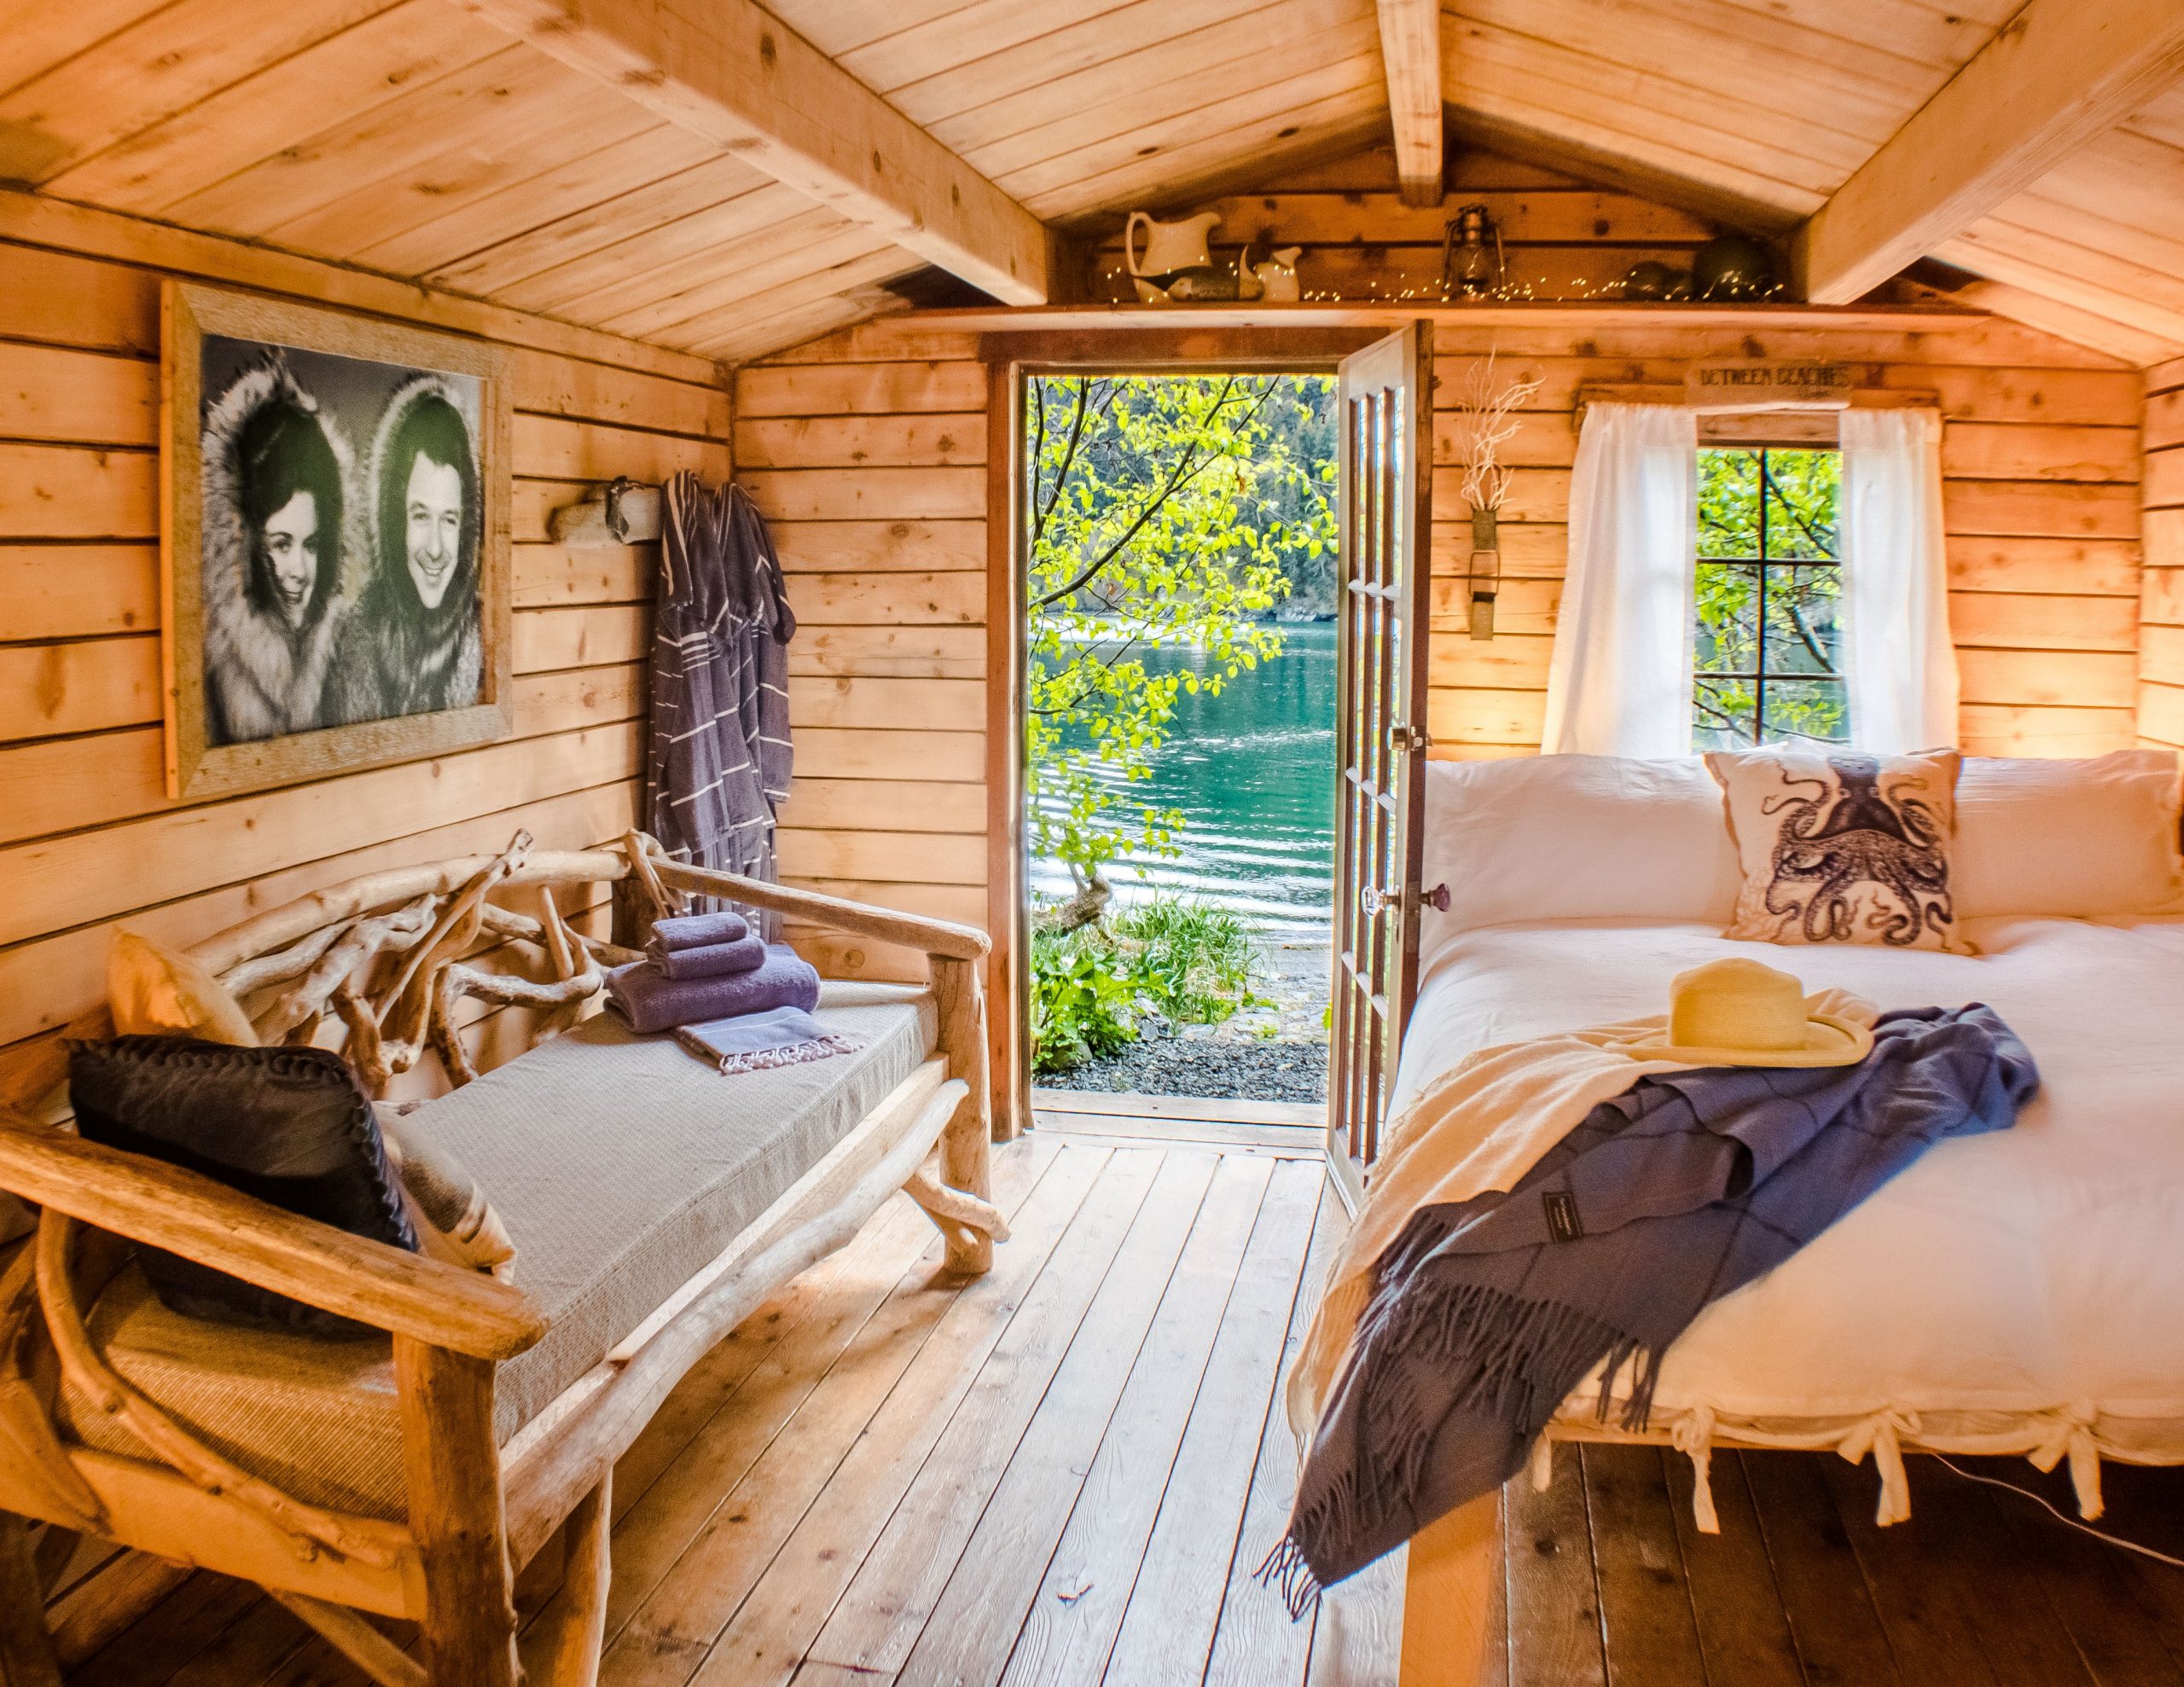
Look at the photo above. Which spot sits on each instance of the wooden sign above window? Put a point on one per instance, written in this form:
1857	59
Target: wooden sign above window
1767	384
1726	420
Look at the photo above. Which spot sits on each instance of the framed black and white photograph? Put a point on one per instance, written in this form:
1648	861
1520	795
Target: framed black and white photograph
335	542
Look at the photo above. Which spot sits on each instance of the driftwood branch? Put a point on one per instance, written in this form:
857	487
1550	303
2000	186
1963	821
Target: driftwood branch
293	962
362	1047
357	1640
362	942
941	1201
503	990
508	923
455	930
640	849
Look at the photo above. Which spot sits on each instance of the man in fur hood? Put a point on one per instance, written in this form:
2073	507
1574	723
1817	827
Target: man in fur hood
413	645
282	555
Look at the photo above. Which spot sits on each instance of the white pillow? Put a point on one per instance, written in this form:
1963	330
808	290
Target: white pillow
2074	838
1575	837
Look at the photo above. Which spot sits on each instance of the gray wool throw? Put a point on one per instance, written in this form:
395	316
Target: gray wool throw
1485	1314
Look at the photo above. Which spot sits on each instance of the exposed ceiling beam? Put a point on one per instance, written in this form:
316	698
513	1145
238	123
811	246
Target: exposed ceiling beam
731	72
1410	46
2073	323
2057	74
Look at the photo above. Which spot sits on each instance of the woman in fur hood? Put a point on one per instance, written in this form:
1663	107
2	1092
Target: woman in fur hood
282	555
413	644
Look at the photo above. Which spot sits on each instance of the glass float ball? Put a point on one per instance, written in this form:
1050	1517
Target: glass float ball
1732	267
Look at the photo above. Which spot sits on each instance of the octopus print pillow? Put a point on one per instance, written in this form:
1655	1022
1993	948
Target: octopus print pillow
1838	846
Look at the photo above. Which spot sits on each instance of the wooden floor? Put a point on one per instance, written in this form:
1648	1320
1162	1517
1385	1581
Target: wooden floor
1066	1471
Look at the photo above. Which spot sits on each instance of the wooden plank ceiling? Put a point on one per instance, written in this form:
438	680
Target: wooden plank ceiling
422	138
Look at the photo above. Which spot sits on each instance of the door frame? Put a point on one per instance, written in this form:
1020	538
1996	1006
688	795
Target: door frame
1012	356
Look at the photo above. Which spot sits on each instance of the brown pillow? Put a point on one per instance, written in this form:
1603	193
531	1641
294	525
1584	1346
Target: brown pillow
1838	846
154	991
455	1220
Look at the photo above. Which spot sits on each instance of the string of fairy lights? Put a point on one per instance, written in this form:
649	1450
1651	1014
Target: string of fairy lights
1514	290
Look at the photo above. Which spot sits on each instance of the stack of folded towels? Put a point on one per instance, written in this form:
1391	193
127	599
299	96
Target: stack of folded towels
708	966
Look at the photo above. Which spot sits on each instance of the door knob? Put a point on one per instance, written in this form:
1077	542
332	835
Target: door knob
1373	901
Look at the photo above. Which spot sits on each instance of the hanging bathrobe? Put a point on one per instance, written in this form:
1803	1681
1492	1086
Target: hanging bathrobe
719	766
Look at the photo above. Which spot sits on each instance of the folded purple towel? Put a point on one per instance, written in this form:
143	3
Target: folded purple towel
697	930
651	1001
708	960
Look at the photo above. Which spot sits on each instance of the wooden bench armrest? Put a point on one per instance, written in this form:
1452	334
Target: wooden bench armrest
886	925
166	1206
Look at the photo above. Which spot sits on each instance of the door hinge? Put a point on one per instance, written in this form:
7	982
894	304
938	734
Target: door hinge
1407	740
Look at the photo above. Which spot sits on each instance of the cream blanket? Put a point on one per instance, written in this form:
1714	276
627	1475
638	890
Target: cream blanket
1479	1127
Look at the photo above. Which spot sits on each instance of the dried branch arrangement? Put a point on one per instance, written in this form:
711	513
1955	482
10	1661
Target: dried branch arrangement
425	950
1486	419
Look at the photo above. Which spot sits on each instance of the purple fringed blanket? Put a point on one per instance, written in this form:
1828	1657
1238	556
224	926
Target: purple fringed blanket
1485	1314
756	1042
651	1001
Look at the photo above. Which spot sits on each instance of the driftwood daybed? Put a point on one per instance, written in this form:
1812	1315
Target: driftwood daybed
415	1479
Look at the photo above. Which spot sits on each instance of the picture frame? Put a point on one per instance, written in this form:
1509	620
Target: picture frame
346	629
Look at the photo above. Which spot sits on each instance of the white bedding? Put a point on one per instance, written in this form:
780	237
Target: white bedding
2019	1291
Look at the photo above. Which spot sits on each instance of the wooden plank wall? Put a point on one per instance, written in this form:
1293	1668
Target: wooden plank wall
88	838
2161	599
866	452
2040	463
1564	239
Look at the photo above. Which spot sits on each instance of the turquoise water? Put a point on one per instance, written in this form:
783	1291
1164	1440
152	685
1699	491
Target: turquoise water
1252	771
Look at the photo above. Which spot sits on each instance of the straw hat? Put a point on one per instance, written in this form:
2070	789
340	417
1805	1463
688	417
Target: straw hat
1737	1012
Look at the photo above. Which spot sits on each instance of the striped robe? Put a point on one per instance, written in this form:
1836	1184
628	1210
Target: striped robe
719	761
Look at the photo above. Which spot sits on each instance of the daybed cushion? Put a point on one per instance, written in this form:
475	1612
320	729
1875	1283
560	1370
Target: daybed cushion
621	1165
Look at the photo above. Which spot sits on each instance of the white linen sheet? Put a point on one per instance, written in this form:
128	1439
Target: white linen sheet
2021	1291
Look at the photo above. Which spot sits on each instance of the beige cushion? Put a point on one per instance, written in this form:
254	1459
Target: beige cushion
156	991
620	1165
454	1217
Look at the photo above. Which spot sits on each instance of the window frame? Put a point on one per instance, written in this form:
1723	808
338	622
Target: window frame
1760	434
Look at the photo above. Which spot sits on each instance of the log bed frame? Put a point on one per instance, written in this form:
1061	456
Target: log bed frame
478	1511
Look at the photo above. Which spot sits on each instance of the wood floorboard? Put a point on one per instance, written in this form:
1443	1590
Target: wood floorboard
2119	1645
1554	1629
898	1279
1049	1572
1167	1631
1832	1623
930	1347
1255	1642
1916	1591
1743	1633
1651	1633
1064	1473
2019	1635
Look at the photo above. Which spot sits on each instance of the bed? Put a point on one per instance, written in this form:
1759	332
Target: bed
2020	1292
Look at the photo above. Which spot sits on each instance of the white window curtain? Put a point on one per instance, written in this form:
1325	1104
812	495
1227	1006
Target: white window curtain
1899	667
1619	683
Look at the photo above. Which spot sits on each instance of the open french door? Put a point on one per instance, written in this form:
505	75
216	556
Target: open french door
1387	509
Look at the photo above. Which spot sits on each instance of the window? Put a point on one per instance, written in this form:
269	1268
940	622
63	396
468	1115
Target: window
1768	584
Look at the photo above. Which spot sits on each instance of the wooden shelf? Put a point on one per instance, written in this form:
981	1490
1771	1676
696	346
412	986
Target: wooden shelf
1077	318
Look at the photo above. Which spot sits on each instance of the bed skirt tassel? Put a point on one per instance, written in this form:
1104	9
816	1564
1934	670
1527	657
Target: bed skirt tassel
2071	1437
1881	1435
1694	1437
1541	1464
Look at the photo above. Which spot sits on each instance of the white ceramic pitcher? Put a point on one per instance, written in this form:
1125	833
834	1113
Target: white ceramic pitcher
1169	247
